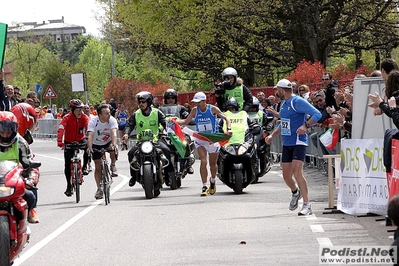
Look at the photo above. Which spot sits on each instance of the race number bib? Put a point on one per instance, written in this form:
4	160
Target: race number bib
205	126
285	127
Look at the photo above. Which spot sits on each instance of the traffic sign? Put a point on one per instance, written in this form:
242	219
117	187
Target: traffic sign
38	87
49	93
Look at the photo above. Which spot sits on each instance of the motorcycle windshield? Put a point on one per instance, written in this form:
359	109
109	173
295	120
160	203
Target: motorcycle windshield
7	166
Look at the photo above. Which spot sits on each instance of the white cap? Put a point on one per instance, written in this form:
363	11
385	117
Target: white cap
284	83
199	96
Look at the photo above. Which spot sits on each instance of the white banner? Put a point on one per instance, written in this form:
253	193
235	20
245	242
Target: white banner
363	185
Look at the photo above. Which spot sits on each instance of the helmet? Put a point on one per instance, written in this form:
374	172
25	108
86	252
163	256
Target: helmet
230	72
170	93
255	103
75	103
232	103
26	117
8	123
145	95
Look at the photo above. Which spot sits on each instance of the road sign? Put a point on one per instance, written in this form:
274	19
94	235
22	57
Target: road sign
38	87
49	93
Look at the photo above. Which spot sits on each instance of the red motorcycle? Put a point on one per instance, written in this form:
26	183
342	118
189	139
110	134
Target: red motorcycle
14	231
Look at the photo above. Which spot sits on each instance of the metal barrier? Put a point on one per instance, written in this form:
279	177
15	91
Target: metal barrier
47	128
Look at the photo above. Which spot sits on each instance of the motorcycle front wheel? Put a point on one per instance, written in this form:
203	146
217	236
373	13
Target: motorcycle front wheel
238	182
148	181
4	241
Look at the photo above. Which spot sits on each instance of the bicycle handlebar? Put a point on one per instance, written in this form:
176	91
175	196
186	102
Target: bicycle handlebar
75	146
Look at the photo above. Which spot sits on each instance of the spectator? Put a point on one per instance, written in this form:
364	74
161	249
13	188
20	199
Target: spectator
387	65
188	107
7	98
260	96
294	87
49	115
114	106
17	95
59	114
304	91
155	102
375	73
330	86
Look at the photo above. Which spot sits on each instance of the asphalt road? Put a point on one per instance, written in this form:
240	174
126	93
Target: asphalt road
182	228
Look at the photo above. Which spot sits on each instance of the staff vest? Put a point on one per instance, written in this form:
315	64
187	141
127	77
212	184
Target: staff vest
147	122
11	154
239	126
237	93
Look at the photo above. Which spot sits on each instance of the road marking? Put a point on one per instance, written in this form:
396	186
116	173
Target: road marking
51	157
31	251
316	228
324	241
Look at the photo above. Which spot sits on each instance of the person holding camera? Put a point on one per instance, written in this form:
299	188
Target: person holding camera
230	87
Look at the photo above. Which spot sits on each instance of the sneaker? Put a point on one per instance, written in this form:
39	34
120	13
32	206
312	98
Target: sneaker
32	217
114	172
85	171
89	168
68	192
205	191
294	201
190	170
132	182
306	209
212	188
99	194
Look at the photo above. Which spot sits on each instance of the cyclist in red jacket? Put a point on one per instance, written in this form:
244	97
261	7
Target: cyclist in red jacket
72	128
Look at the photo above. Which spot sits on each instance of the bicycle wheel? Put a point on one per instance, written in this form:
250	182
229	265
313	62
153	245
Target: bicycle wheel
76	181
106	182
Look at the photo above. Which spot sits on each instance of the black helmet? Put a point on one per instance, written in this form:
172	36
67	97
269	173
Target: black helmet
232	103
255	103
145	95
75	103
170	93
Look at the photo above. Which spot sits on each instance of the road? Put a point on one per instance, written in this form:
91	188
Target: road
182	228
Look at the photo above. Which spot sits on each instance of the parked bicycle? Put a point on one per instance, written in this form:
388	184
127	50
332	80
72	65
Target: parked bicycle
76	167
106	178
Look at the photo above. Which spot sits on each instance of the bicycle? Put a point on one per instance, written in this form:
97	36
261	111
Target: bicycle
76	167
106	179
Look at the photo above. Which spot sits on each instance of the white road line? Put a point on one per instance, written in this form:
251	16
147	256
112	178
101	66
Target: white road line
324	241
60	159
31	251
316	228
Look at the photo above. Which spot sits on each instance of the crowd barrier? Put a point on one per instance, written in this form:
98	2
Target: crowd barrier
46	128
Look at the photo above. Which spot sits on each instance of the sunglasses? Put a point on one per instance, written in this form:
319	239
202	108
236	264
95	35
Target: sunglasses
325	79
142	102
319	100
301	90
18	94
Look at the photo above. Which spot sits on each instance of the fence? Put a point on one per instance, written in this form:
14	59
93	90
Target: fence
47	128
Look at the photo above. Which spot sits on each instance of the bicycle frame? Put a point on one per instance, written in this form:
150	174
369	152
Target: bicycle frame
106	179
76	167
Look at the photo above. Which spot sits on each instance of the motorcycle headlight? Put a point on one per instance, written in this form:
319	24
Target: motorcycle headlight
242	149
146	147
6	191
231	150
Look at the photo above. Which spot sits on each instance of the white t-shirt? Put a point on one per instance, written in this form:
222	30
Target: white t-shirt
102	131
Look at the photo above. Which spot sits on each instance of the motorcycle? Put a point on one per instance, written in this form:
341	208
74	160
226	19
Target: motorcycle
264	160
149	164
238	163
180	164
14	230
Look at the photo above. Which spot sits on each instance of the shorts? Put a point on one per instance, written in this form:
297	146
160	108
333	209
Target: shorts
290	153
97	155
210	147
121	127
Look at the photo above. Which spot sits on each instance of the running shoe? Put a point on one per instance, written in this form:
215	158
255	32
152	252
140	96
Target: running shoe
212	188
99	194
306	209
85	171
294	201
205	191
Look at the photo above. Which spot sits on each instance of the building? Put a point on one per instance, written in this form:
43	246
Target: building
56	28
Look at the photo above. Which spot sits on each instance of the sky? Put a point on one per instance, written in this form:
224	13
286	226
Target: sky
79	12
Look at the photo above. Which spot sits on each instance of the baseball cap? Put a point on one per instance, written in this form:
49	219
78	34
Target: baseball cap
199	96
284	83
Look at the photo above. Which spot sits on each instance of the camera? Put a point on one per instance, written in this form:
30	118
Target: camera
220	87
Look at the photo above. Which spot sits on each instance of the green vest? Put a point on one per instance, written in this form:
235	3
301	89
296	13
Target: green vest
257	117
239	126
238	94
147	122
12	153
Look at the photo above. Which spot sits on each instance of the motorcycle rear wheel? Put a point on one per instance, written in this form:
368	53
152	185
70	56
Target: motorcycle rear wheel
148	181
238	182
4	241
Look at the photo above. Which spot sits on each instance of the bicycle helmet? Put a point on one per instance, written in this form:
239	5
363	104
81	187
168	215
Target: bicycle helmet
26	117
75	103
8	123
145	95
170	93
255	103
232	103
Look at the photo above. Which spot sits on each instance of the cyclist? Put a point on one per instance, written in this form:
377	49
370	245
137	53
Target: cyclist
102	135
13	147
72	128
147	117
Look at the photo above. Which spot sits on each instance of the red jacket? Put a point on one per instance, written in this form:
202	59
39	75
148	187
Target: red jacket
72	128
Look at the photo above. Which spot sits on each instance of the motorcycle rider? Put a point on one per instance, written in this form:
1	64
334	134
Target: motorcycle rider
230	87
173	110
147	117
72	128
14	147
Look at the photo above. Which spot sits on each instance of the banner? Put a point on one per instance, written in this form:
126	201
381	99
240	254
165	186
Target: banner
393	176
3	40
363	184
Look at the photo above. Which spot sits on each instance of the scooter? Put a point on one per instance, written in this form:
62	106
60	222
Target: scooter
237	163
14	230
